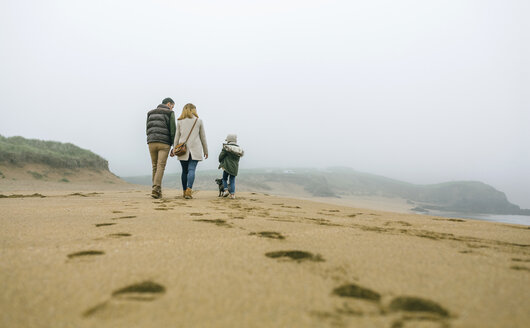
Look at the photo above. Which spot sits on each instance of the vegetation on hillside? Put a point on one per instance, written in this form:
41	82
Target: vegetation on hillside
20	151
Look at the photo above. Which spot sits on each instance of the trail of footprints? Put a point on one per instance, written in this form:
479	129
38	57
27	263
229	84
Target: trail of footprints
359	301
143	291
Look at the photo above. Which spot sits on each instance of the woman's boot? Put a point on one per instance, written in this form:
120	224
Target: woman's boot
187	194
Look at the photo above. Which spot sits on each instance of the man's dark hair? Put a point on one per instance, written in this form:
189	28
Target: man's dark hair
167	101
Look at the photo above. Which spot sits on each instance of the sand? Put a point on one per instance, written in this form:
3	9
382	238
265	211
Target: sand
118	258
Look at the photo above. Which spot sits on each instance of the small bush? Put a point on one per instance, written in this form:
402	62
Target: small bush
36	175
64	180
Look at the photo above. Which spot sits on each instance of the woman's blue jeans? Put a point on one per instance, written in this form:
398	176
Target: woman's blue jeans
232	189
188	173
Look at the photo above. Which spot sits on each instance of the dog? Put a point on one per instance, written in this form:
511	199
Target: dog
220	186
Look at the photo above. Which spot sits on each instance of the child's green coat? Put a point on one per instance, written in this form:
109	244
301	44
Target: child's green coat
229	162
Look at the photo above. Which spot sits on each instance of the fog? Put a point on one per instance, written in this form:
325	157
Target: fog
421	91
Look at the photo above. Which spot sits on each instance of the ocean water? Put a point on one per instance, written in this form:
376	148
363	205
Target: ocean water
514	219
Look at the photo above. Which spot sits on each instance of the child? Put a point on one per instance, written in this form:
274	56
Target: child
229	162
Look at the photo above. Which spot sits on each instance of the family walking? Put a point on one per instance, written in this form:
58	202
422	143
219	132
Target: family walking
162	133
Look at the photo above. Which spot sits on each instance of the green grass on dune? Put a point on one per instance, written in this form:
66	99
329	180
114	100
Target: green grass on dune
21	151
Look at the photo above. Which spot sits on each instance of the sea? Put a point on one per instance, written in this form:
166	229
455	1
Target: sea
514	219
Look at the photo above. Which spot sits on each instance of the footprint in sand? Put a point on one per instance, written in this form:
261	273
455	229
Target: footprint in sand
125	300
520	268
397	223
362	300
417	304
85	195
115	212
85	253
125	217
297	256
417	309
119	235
268	234
196	214
369	302
104	224
218	222
355	291
144	291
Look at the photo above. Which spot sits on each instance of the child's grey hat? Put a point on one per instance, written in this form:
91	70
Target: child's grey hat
231	138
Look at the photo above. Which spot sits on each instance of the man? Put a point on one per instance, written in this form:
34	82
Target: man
160	129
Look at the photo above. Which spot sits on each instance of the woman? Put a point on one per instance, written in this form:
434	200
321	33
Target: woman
196	146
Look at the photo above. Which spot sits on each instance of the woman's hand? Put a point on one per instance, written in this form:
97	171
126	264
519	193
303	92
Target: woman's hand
205	156
172	152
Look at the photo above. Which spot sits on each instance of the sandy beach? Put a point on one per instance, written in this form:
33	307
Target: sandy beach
118	258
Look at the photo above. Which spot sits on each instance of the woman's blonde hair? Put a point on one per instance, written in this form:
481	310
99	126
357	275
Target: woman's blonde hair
188	111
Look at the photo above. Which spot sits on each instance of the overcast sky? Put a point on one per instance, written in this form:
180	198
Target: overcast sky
422	91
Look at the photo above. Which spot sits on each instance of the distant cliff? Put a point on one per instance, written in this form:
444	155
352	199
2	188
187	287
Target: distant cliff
20	151
458	196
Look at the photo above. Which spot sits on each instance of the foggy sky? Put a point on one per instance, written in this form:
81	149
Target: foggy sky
421	91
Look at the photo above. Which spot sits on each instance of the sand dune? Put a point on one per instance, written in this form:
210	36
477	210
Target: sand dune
43	177
118	258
